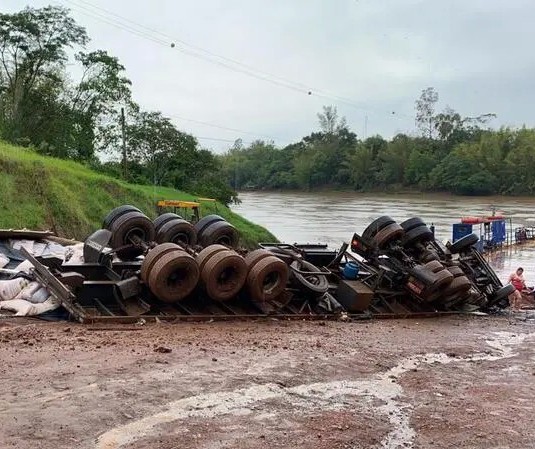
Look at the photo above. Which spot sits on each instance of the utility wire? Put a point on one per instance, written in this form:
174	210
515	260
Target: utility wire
213	125
214	58
177	117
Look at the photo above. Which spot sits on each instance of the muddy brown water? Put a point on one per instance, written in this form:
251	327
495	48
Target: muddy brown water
332	217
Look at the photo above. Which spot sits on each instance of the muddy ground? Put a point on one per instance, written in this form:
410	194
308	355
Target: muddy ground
454	382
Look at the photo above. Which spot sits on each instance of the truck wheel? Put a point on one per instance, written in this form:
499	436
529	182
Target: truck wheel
220	232
456	271
376	225
114	214
224	275
128	226
206	253
421	234
442	280
503	292
412	223
204	222
388	234
310	283
428	256
160	220
153	256
464	243
253	257
458	285
174	276
435	266
177	231
267	279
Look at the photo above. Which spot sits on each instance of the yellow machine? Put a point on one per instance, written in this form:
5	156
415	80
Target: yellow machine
190	210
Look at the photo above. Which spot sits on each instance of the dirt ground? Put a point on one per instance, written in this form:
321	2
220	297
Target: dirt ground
453	382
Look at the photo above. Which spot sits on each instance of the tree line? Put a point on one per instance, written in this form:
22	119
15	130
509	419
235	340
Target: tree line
450	153
42	107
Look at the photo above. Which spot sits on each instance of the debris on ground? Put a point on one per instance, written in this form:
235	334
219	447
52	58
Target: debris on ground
170	269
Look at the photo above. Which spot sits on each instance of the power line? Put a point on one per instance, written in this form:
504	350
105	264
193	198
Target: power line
229	63
213	125
222	140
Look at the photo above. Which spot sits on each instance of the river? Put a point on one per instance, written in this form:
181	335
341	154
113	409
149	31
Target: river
332	217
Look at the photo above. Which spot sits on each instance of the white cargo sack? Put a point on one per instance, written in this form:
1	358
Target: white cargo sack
26	308
10	289
74	254
40	296
25	266
4	260
28	291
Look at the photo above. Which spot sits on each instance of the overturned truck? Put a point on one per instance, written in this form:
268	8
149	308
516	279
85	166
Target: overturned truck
170	269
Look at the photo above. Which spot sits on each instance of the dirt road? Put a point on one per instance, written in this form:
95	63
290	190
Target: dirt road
456	382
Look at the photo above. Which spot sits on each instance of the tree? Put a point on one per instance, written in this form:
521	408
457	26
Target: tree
425	111
330	123
33	44
96	102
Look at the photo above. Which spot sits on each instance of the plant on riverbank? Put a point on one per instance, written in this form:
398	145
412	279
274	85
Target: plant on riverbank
39	192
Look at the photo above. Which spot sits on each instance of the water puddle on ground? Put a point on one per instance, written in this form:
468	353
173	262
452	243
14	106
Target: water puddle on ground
316	396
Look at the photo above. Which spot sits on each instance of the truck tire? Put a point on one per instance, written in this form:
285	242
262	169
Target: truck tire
376	225
435	266
220	232
177	231
267	279
153	256
224	275
458	285
388	234
312	284
207	221
127	226
173	277
205	254
503	292
253	257
421	234
160	220
412	223
114	214
463	243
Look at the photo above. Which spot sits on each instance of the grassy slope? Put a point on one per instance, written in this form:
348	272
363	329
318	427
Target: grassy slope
39	192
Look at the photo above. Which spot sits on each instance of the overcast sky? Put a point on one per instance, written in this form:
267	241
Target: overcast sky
376	54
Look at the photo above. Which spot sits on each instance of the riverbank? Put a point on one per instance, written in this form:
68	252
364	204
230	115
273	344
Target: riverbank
40	192
395	191
457	381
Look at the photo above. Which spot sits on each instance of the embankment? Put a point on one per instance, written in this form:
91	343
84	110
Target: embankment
38	192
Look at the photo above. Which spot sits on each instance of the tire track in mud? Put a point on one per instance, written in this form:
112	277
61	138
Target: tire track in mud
322	395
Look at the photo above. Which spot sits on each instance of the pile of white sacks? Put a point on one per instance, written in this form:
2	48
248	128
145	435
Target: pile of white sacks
29	298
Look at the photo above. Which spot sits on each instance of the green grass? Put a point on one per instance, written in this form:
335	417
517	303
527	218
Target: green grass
38	192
